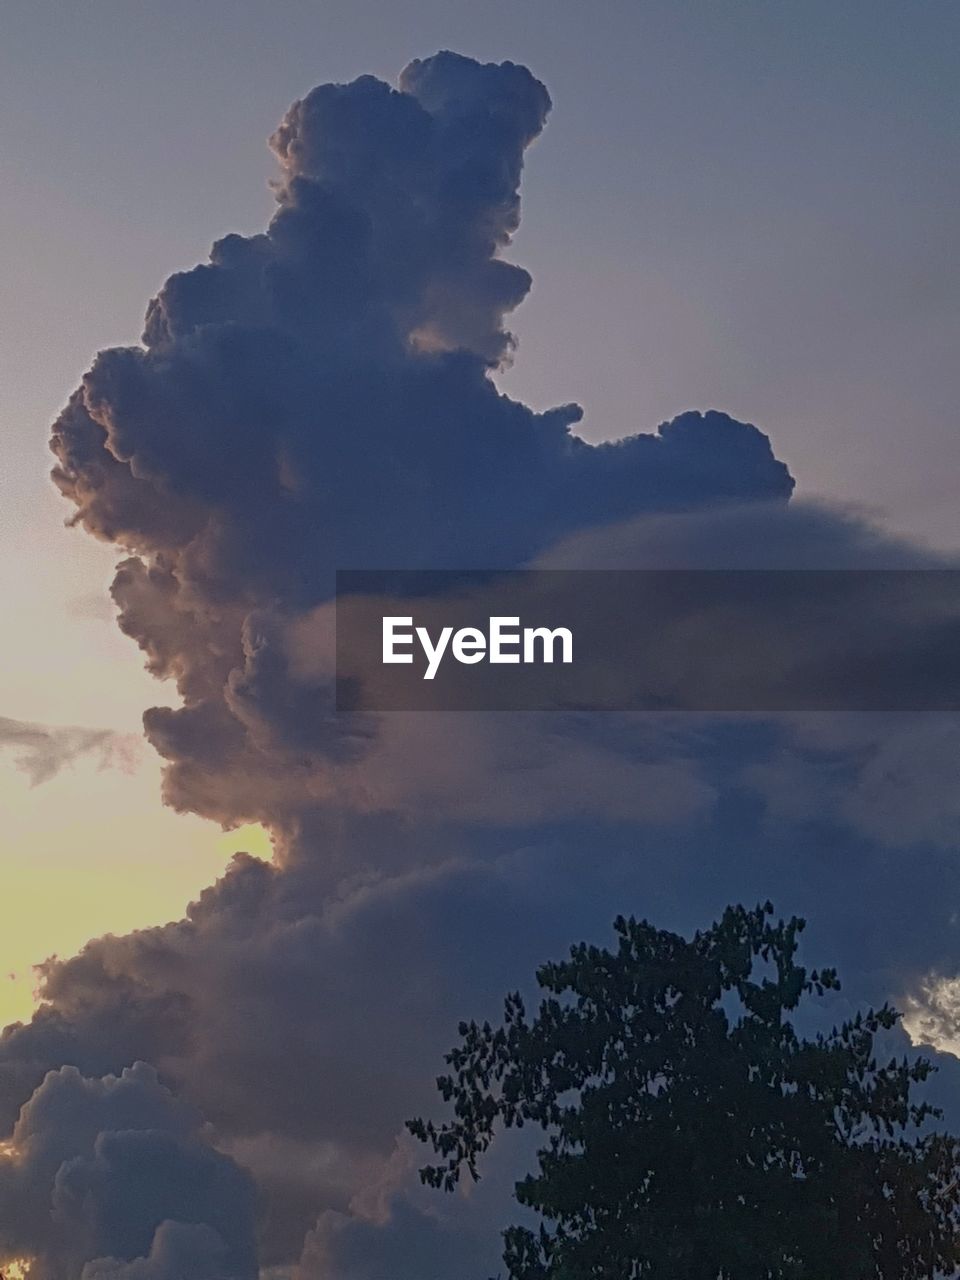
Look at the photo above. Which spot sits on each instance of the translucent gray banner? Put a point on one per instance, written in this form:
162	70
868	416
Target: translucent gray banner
649	640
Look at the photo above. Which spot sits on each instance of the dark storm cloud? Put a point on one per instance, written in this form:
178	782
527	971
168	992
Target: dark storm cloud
411	1244
116	1169
319	396
43	750
305	1025
294	1022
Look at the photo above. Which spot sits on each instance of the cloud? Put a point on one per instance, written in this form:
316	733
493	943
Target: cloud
409	1245
803	534
321	396
179	1249
305	1024
43	750
301	1027
101	1168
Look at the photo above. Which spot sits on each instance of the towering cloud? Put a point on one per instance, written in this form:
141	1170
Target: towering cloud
321	396
111	1168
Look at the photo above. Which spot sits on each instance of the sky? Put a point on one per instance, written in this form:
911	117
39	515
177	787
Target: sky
747	207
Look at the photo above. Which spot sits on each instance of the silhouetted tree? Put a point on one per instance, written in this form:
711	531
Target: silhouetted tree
692	1134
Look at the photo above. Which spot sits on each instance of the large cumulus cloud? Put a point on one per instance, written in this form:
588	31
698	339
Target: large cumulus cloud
102	1172
321	396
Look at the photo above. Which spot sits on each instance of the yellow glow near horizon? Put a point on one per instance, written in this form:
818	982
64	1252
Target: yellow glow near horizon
91	852
16	1269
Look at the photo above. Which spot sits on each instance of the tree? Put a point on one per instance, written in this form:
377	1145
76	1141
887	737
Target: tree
691	1132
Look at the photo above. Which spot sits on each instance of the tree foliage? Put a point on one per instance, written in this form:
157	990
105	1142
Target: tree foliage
691	1132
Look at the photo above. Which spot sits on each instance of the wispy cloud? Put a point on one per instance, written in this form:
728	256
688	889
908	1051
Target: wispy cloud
41	751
